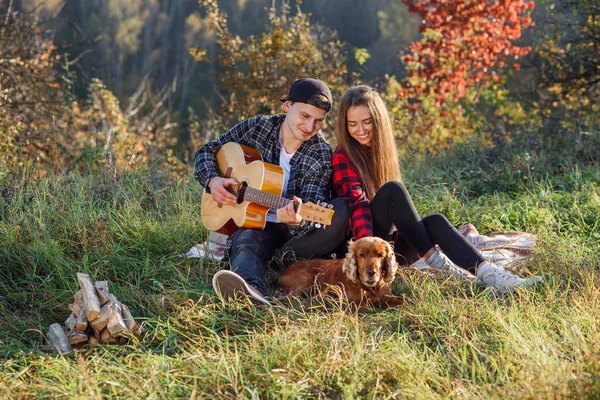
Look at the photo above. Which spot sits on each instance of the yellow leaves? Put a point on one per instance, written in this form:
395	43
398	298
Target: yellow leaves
198	54
256	71
361	55
556	88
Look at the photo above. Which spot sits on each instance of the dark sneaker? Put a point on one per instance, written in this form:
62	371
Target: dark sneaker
228	285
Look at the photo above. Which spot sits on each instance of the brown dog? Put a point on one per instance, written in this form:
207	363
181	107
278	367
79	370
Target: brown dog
364	275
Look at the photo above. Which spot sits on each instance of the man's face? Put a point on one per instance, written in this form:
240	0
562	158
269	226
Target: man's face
303	121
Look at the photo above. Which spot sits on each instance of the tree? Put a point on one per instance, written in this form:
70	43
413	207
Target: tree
259	70
568	59
39	123
463	41
32	109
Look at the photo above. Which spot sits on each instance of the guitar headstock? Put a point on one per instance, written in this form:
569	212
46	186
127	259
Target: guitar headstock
319	214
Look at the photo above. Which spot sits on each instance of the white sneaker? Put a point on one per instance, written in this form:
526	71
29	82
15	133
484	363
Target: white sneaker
441	262
496	277
228	285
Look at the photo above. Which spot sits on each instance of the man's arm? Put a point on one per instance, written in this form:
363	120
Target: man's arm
315	189
316	184
205	159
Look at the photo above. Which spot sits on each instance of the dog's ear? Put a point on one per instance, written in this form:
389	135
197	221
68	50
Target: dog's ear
390	266
349	267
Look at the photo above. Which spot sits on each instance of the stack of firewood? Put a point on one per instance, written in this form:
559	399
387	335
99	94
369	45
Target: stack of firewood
97	317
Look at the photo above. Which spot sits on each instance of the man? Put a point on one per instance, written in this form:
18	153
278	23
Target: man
293	141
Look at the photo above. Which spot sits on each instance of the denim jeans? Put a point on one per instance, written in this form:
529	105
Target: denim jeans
251	250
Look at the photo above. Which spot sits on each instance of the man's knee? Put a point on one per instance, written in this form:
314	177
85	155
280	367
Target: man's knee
246	241
244	237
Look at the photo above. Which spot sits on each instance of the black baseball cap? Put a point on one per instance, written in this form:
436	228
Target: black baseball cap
303	89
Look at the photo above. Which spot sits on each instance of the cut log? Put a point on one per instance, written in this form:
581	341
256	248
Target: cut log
112	298
101	291
95	334
78	308
132	326
105	312
77	337
97	317
71	322
106	338
102	297
89	296
102	285
116	326
59	339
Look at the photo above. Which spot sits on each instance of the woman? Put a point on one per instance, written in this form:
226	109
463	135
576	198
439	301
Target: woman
366	173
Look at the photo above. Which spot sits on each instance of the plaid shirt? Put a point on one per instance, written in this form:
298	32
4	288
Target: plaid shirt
310	166
347	184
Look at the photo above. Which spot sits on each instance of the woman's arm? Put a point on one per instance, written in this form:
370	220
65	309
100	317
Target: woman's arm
347	185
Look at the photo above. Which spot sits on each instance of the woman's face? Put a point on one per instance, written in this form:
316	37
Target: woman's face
360	124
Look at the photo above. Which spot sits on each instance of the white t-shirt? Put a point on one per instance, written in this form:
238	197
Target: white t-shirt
284	163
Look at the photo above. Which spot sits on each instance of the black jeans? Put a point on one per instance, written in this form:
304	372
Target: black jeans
251	250
393	206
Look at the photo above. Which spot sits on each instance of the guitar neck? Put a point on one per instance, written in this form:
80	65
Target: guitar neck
319	214
264	198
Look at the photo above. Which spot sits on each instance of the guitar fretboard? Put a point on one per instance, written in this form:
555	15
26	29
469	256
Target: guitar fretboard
263	198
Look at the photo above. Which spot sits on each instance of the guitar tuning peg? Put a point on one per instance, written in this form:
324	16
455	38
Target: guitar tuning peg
330	206
317	225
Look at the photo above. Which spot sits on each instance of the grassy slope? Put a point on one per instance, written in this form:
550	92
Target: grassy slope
449	341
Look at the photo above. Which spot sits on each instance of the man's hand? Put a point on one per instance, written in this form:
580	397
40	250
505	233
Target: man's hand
287	215
218	190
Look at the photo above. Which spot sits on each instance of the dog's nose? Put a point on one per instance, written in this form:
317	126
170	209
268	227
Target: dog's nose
371	272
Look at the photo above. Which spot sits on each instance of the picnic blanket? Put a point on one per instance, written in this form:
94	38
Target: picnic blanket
500	248
213	247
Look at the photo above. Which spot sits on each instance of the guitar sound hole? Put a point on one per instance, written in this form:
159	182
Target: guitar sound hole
241	192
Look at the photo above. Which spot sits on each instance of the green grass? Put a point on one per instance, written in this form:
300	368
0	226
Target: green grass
450	341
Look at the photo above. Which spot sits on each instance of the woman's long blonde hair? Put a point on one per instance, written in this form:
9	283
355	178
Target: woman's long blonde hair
380	165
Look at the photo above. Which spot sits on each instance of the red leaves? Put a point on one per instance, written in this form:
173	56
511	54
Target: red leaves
463	41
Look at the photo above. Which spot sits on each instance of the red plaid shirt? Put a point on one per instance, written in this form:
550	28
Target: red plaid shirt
347	185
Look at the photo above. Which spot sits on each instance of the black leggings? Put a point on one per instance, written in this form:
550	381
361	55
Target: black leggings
393	206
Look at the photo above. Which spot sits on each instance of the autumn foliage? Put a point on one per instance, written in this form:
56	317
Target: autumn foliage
569	56
258	70
32	117
40	124
455	64
463	42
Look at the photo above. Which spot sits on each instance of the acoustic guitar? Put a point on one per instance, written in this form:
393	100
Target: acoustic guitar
260	187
